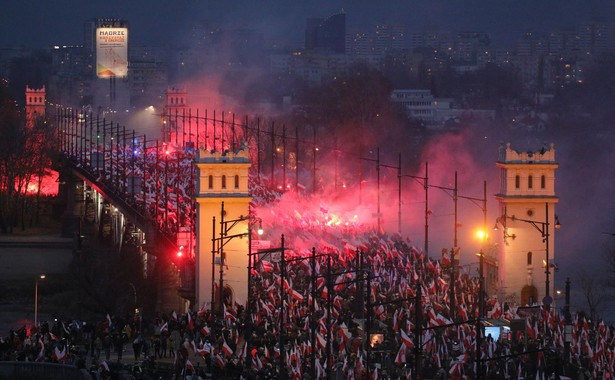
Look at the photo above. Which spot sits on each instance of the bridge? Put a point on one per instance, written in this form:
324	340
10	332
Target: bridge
119	179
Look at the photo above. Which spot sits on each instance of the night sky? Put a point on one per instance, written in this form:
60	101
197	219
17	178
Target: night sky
41	23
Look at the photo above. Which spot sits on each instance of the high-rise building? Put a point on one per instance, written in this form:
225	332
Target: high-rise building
326	34
389	37
597	37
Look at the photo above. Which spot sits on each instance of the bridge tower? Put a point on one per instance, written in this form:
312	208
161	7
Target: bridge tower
222	193
175	110
35	105
527	214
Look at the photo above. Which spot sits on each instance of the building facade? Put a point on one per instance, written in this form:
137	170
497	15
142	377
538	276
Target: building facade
223	203
527	222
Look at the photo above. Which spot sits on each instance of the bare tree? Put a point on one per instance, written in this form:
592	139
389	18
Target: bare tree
609	258
593	290
25	152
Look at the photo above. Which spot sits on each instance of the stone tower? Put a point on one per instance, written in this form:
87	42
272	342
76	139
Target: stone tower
35	105
175	110
527	218
223	243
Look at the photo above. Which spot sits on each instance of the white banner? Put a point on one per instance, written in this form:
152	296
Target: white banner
111	52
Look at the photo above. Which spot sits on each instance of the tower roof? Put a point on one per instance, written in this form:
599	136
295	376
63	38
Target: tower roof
545	155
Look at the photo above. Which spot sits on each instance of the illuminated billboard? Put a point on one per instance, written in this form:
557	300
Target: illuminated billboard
111	52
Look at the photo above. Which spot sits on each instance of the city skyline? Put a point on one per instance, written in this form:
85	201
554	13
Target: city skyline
161	23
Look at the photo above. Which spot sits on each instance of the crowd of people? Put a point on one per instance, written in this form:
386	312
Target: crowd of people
354	316
367	306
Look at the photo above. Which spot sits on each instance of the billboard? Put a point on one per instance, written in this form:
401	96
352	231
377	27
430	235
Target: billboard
111	52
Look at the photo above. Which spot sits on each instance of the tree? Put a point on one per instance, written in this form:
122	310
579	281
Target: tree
12	132
356	101
593	290
25	152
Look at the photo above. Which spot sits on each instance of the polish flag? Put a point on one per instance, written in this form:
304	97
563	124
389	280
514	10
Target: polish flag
189	366
406	339
60	355
190	322
219	361
401	355
380	312
296	295
205	330
41	354
529	329
267	266
320	282
256	363
228	315
321	341
463	313
227	349
104	366
344	333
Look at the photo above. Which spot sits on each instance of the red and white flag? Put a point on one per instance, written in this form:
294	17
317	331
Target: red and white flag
401	355
60	355
406	339
205	330
104	366
226	349
189	366
190	322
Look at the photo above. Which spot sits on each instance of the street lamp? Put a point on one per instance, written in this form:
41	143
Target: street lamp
543	228
41	277
482	236
218	244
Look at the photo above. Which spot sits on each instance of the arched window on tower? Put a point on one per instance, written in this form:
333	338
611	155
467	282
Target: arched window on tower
211	181
224	182
530	182
517	182
529	258
543	182
236	181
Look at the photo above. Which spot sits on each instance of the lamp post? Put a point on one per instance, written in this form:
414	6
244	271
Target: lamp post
543	228
482	235
41	277
218	244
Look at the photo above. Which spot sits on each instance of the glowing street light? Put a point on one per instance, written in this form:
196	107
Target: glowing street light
543	229
41	277
260	230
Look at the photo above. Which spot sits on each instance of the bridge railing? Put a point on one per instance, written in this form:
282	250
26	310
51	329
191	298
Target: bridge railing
154	179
